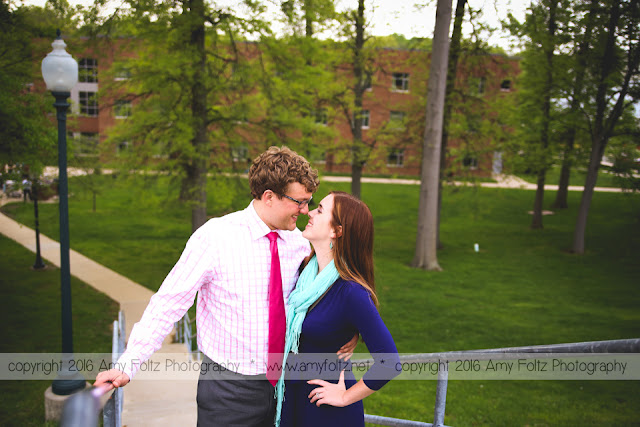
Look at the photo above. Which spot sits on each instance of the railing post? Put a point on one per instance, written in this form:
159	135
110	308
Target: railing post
112	411
109	412
441	397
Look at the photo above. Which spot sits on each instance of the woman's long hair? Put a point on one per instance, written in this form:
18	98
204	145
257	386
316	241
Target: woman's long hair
353	248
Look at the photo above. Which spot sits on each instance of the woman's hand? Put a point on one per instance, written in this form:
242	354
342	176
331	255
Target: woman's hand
328	393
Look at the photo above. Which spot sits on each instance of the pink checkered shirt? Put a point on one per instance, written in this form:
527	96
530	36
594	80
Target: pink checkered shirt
227	262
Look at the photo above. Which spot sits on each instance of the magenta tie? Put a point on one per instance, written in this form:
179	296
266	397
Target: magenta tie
277	317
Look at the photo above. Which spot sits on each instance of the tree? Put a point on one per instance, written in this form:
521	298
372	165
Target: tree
297	82
615	69
350	101
579	58
26	135
188	84
452	68
548	46
426	240
543	32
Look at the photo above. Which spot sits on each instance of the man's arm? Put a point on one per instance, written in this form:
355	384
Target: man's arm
166	307
346	351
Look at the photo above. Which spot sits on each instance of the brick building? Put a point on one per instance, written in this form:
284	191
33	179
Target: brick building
392	119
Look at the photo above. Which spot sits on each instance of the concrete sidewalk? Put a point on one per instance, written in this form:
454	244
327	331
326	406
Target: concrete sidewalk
502	181
146	402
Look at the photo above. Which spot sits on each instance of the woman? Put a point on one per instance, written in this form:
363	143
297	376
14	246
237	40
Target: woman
334	298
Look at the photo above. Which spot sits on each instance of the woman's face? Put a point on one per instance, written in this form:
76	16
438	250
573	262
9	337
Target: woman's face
318	229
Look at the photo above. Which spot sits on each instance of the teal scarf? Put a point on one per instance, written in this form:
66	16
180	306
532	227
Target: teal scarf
309	288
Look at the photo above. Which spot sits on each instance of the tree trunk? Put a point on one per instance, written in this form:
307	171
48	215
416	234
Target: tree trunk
359	88
426	248
562	195
356	175
601	132
307	5
587	195
197	170
536	222
454	54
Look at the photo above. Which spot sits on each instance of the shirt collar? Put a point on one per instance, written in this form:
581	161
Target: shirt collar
257	227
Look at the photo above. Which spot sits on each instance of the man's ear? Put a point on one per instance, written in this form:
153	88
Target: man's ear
267	197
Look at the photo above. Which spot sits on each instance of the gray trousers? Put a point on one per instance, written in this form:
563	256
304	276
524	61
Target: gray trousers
229	399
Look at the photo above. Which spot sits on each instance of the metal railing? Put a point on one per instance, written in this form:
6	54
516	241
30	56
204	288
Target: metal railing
631	345
112	412
185	334
83	409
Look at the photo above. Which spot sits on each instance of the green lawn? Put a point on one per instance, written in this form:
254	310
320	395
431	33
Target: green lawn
522	288
31	324
578	177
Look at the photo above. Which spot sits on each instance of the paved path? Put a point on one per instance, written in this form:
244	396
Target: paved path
502	181
146	402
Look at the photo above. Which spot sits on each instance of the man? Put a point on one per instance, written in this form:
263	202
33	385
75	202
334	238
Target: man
26	189
228	262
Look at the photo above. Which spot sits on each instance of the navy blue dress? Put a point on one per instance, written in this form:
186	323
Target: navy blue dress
346	309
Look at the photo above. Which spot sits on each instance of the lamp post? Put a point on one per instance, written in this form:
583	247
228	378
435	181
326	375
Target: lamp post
60	72
38	265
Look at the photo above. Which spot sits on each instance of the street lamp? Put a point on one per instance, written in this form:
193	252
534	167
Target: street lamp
60	72
38	265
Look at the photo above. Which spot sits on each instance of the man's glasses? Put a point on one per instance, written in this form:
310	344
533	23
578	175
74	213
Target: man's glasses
301	204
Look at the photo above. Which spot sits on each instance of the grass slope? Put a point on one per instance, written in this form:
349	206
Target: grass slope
31	323
522	288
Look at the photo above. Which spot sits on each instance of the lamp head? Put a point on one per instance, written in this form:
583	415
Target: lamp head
59	69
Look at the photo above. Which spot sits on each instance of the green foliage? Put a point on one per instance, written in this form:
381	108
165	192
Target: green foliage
26	135
398	41
580	43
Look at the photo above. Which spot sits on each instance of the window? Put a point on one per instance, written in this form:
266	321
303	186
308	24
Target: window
477	85
122	73
474	123
88	70
470	161
395	158
87	143
88	104
396	119
482	81
122	109
400	82
505	86
123	147
240	154
318	157
364	119
367	83
322	116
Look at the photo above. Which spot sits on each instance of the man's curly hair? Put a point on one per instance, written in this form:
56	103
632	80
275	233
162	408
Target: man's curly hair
278	167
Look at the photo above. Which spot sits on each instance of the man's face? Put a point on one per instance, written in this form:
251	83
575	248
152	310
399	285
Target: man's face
285	211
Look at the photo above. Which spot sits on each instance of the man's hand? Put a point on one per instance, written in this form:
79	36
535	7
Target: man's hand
112	378
346	351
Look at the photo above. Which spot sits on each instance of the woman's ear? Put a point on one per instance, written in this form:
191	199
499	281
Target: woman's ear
337	232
